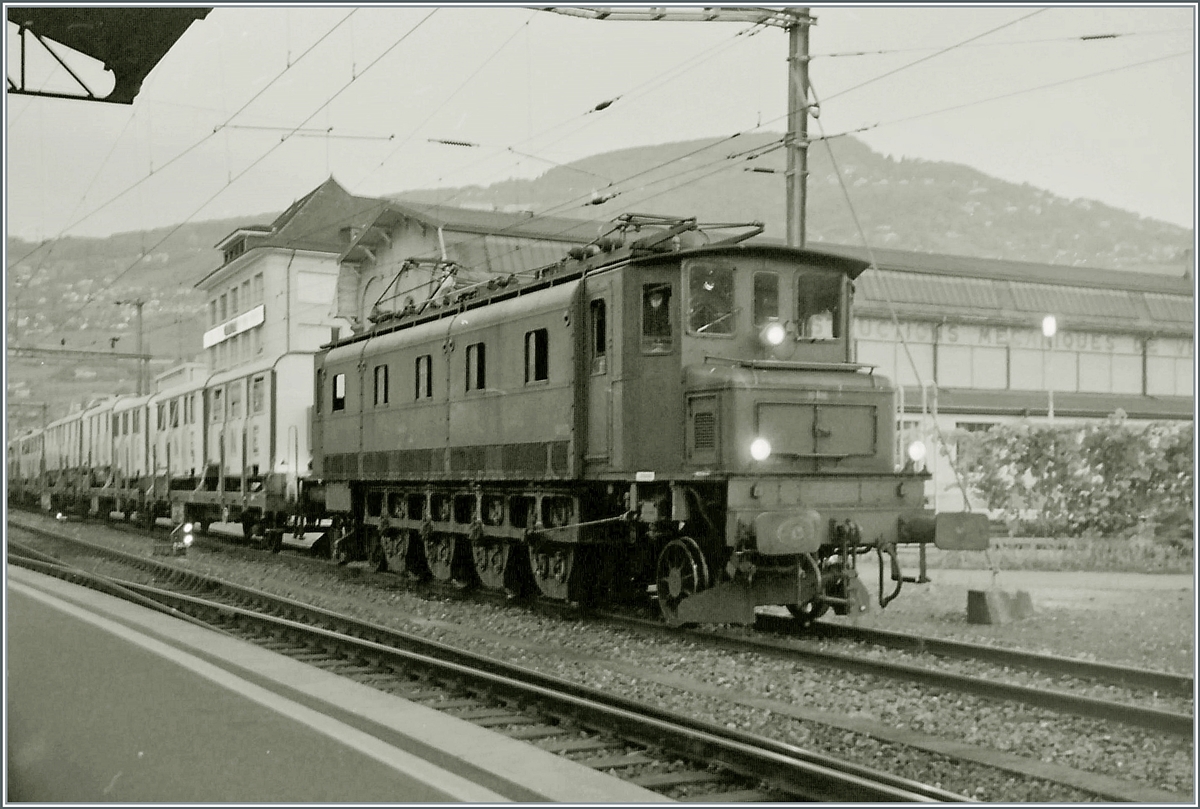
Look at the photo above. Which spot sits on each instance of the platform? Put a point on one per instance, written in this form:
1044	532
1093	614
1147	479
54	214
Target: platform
109	701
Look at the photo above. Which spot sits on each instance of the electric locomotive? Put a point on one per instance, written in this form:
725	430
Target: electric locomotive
671	409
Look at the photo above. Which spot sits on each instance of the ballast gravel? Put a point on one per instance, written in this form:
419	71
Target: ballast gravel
750	692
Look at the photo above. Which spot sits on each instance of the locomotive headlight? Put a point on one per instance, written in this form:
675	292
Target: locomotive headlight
187	528
187	539
760	449
773	334
916	451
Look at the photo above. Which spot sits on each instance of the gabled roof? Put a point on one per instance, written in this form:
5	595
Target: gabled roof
322	221
468	220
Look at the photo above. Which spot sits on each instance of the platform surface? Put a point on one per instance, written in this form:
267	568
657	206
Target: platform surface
111	702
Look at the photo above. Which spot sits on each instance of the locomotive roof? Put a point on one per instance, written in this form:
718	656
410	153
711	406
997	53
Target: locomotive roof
849	265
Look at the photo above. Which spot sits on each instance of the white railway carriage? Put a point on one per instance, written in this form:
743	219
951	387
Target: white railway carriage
62	445
175	424
97	442
25	467
129	438
255	443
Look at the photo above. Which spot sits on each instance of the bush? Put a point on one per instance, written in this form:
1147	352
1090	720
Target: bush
1103	479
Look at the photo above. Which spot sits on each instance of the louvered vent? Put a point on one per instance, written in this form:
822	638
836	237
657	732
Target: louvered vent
704	431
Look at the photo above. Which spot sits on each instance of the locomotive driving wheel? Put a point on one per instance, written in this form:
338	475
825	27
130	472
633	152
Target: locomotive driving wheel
447	558
682	571
491	560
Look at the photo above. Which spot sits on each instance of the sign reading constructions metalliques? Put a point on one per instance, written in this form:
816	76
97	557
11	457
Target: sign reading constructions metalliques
246	320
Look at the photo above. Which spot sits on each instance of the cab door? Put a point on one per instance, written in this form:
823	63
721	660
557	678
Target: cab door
653	394
599	372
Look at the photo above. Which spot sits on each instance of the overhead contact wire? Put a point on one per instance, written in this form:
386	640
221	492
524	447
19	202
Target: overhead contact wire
262	157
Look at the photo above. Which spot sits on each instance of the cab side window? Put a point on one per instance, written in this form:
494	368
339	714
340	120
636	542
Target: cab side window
339	392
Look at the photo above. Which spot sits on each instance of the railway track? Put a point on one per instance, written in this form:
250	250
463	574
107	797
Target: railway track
676	756
781	637
1039	696
1123	676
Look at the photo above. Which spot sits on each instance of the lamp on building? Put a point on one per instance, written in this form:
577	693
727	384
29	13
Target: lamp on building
1049	329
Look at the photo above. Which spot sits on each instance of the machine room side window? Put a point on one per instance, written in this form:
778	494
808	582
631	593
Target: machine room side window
766	298
381	385
710	299
339	392
656	317
599	321
424	377
537	355
818	307
476	366
173	409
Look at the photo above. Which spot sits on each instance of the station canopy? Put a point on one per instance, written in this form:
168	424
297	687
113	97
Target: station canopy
128	41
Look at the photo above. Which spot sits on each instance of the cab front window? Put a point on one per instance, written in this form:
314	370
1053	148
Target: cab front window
711	307
819	307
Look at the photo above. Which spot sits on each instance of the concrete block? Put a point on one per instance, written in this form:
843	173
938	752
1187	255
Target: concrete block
997	606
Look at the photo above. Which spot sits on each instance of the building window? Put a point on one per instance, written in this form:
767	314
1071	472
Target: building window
233	302
256	339
258	289
212	312
223	308
339	392
159	422
656	317
174	411
137	421
424	377
246	304
537	355
381	385
476	366
258	399
125	423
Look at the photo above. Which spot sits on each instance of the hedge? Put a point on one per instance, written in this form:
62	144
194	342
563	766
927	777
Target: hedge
1102	479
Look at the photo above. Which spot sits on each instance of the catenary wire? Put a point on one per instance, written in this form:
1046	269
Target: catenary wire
256	162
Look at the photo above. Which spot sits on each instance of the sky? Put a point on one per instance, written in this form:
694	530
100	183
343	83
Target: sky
255	106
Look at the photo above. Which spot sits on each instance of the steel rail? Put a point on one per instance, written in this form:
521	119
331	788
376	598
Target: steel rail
1161	721
1181	684
801	773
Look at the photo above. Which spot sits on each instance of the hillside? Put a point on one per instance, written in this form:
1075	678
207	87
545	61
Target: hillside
904	204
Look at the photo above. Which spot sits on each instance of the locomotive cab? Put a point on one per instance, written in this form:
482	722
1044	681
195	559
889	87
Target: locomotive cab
777	446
